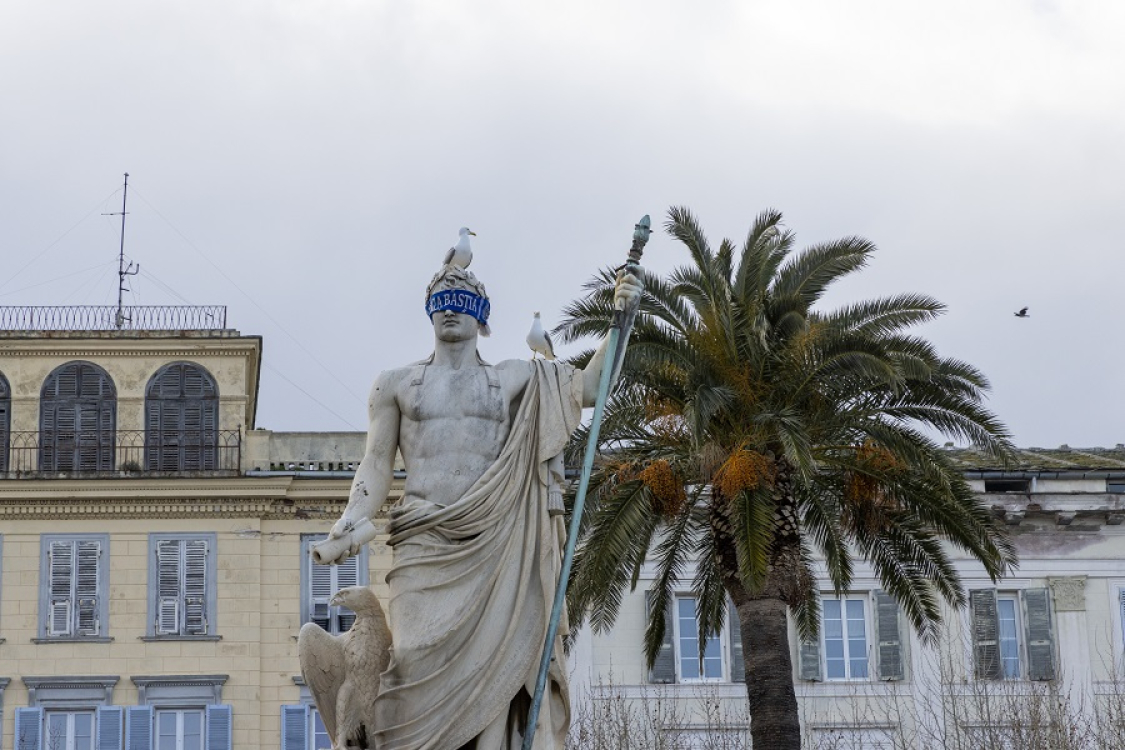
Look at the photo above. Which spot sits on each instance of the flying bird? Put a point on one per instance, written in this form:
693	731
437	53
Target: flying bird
461	254
342	671
1022	313
539	340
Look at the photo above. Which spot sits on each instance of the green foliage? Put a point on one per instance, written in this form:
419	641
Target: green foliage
788	430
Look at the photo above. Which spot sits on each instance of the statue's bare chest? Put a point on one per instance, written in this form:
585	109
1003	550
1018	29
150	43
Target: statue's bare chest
442	393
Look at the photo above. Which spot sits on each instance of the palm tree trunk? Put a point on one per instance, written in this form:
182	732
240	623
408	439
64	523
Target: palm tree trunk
775	721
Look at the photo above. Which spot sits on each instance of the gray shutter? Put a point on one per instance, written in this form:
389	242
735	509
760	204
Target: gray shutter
181	419
986	635
1121	596
5	422
320	591
29	728
664	668
60	559
86	586
294	727
347	574
737	660
167	587
1040	634
109	727
138	728
808	658
218	728
889	633
195	586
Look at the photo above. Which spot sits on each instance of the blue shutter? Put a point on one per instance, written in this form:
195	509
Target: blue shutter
138	728
29	728
109	727
218	727
294	727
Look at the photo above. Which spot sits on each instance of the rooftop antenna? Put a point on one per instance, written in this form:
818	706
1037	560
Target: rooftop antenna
122	270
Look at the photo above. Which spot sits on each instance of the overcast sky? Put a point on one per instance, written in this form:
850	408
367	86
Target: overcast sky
308	163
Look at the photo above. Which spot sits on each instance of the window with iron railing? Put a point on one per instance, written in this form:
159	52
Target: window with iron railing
181	419
77	418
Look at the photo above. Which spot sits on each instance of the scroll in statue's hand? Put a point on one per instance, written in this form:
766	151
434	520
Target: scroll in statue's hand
345	539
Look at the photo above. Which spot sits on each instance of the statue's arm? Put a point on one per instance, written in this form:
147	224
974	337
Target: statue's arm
373	478
626	297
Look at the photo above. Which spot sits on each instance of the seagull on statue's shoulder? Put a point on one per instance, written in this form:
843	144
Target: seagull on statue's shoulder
461	254
539	340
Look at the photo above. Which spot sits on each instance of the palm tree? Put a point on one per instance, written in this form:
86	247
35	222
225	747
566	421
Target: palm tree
750	432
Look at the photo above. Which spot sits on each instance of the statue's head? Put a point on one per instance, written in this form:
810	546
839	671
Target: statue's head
456	290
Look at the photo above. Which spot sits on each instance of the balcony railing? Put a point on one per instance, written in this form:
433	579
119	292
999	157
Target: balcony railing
122	453
108	318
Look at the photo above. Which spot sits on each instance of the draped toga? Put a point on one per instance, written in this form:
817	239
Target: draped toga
472	585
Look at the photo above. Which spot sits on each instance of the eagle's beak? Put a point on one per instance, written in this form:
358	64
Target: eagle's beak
336	600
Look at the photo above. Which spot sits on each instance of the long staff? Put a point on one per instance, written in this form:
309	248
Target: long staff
609	365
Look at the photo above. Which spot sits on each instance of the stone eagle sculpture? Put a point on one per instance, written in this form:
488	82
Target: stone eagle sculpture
342	671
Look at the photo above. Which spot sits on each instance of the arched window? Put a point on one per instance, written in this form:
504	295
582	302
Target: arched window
77	419
181	419
5	421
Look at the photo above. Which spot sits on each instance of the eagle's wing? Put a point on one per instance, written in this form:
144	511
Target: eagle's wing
322	664
449	256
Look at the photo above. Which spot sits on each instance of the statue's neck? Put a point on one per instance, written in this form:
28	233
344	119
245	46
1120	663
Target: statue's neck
456	354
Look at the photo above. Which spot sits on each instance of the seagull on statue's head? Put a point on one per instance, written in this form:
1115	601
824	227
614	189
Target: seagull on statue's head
461	254
539	340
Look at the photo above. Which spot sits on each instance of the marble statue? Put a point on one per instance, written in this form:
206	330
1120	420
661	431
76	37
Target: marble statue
478	536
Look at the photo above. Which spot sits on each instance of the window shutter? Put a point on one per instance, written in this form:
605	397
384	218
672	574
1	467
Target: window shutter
105	434
138	728
89	455
888	631
153	436
347	574
29	728
195	586
61	571
1040	634
86	587
218	727
109	728
737	661
294	727
986	635
167	587
5	422
1121	596
320	591
65	437
182	418
664	668
808	660
209	433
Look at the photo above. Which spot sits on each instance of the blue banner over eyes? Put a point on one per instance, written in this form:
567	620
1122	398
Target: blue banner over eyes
461	301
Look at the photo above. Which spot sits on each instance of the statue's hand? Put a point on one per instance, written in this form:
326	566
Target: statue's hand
630	286
342	529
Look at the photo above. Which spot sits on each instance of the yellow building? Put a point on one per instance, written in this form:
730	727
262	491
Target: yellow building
154	571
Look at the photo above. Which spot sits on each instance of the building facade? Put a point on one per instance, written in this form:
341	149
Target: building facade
155	572
153	544
1035	660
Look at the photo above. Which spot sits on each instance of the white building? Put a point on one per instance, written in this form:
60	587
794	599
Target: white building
1046	642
